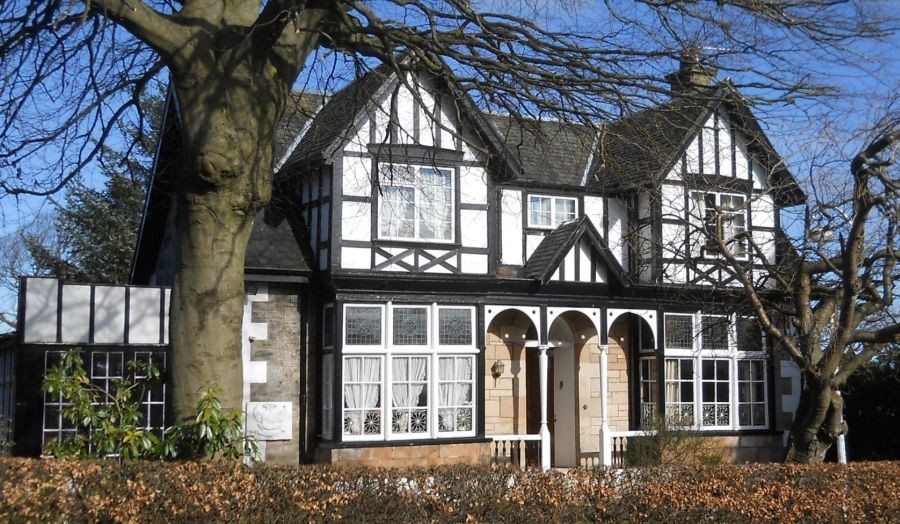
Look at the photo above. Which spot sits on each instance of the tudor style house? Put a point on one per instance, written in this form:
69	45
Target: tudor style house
435	284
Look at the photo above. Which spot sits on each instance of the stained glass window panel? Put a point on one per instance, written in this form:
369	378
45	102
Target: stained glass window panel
455	327
362	325
410	326
680	331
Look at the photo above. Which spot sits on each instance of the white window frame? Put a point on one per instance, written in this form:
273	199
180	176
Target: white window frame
429	327
417	203
387	351
732	354
737	399
438	407
554	200
700	245
389	405
678	380
651	403
384	401
363	348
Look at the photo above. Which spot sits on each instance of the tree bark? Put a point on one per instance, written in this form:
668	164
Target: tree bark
817	423
225	178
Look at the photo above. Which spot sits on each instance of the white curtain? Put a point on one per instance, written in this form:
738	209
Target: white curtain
672	381
362	369
408	370
436	204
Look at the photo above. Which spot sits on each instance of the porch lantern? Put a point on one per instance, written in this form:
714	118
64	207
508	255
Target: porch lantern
497	369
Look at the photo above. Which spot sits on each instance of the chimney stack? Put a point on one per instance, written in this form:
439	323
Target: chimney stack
691	76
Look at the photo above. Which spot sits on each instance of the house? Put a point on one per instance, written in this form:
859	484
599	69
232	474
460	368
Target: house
435	284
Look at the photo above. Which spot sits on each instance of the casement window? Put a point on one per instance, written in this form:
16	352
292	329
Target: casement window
680	391
649	393
363	396
719	215
421	377
715	372
550	211
415	203
456	387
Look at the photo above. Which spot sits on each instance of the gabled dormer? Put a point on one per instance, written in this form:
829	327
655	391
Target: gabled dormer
393	176
696	167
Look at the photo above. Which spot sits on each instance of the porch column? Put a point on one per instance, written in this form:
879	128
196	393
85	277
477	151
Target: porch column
545	431
605	438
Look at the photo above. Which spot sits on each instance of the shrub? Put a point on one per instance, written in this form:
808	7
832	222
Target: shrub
215	491
6	444
669	443
108	421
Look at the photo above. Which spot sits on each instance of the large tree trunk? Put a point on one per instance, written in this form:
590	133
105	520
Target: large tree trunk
817	423
225	178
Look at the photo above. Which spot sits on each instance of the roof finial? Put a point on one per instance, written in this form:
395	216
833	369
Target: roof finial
692	74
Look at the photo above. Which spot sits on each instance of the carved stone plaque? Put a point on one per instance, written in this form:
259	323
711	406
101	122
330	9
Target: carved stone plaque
269	420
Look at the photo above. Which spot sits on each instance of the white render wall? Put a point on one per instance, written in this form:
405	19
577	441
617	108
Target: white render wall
761	205
418	123
55	312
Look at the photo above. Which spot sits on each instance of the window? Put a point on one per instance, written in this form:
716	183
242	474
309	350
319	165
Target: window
680	331
410	326
751	382
455	326
409	395
722	215
327	412
415	370
715	389
648	390
549	212
104	369
362	325
456	389
362	396
416	203
680	391
714	367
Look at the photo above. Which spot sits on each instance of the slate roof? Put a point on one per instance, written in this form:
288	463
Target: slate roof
553	248
274	246
548	152
634	150
301	107
337	116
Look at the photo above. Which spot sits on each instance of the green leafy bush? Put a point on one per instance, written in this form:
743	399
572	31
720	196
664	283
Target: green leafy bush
217	491
108	420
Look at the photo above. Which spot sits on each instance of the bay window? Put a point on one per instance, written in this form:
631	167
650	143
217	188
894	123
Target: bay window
412	365
416	203
715	368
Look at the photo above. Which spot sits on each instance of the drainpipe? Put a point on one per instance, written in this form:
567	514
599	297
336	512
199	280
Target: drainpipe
545	431
605	438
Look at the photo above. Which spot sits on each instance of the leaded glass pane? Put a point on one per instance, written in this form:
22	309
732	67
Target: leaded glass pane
749	335
455	327
715	332
410	326
679	331
363	326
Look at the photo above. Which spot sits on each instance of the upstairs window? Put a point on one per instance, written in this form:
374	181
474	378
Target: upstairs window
416	203
721	215
549	211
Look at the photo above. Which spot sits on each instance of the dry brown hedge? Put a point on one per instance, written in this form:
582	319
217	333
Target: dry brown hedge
57	491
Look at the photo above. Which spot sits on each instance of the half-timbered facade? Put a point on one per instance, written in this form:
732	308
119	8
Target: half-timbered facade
435	284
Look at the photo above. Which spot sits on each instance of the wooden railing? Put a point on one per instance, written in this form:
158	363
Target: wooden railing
620	445
523	451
